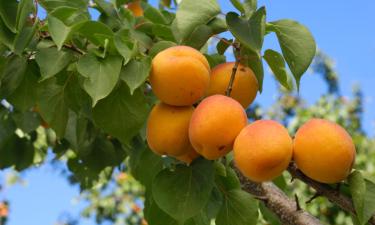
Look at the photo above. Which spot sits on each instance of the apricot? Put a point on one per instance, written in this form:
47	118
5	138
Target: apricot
215	124
167	129
324	151
245	85
263	150
135	7
189	156
180	75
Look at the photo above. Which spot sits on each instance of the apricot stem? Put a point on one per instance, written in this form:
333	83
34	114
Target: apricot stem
232	77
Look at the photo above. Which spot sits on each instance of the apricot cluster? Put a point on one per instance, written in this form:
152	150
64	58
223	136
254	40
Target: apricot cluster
181	77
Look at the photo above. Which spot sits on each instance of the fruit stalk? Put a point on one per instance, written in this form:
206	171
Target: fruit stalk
234	70
332	194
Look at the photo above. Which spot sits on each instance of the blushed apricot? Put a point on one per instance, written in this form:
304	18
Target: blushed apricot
180	75
215	124
135	7
245	85
167	129
324	151
189	156
263	150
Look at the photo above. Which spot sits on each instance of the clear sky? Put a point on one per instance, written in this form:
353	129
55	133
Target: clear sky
342	29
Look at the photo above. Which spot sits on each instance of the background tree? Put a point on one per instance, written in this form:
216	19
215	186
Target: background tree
79	87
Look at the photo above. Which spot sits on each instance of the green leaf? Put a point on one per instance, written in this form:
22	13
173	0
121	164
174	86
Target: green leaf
369	206
51	61
160	46
238	5
164	32
230	181
184	192
125	45
6	36
250	7
8	12
154	15
215	59
277	64
145	165
154	215
96	32
24	37
357	186
63	21
223	45
53	107
248	32
27	121
13	74
101	75
239	208
254	61
25	8
191	13
25	96
297	44
122	114
50	5
136	72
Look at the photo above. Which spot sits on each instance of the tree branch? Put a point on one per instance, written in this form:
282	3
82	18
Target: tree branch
332	194
275	200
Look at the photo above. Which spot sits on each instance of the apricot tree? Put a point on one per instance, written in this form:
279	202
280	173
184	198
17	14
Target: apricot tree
94	82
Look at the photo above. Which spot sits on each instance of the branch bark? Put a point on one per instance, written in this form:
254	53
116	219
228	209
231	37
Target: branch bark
332	194
275	200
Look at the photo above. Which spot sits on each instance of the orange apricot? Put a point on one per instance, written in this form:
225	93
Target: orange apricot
167	129
180	75
189	156
135	7
215	124
324	151
245	85
263	150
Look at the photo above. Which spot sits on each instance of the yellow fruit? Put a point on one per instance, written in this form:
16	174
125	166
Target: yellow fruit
188	157
215	124
245	85
263	150
180	75
324	151
135	7
167	129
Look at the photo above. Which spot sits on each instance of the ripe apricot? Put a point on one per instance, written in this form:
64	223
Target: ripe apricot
263	150
324	151
245	85
180	75
189	156
167	129
215	124
135	7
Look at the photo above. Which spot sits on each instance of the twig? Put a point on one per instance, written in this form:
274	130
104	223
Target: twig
316	195
36	9
286	209
332	194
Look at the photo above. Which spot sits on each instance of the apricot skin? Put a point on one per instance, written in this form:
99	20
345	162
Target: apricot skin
179	75
245	86
324	151
167	129
135	7
189	156
263	150
215	123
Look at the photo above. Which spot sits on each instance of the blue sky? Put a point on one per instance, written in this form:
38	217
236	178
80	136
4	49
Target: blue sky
342	29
